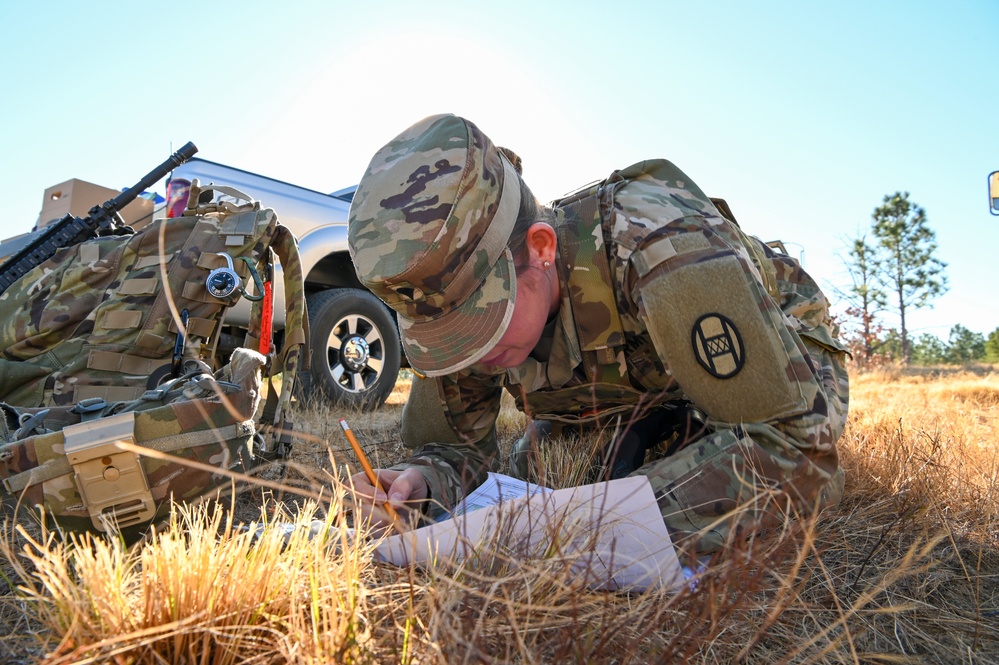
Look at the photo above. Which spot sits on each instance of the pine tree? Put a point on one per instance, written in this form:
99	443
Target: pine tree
992	347
866	297
911	271
965	346
928	350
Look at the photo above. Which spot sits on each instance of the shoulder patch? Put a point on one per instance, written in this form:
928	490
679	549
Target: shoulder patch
718	345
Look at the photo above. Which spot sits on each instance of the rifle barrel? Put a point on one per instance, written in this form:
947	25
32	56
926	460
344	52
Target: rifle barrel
150	179
71	230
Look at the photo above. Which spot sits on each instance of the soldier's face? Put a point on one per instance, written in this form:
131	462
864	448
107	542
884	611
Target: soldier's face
530	313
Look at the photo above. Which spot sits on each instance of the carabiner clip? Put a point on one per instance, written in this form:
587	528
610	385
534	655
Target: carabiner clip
259	283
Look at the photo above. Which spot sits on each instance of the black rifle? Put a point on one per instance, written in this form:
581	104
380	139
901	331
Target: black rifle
102	220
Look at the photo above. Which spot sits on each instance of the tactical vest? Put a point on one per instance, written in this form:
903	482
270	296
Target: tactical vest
91	430
585	271
112	317
608	386
98	318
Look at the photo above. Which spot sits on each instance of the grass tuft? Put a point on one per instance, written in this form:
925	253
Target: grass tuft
905	569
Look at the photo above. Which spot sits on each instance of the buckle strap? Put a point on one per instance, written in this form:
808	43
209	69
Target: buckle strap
60	466
90	408
110	480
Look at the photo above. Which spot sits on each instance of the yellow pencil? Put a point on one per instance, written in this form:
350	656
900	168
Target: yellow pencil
368	471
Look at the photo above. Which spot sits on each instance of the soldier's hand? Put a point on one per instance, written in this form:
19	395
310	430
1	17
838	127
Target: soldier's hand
406	492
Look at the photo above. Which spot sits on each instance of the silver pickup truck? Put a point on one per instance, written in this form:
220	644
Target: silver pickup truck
354	342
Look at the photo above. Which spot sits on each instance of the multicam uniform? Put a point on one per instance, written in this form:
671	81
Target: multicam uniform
664	298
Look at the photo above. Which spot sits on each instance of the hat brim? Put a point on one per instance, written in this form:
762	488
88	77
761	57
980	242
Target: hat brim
467	333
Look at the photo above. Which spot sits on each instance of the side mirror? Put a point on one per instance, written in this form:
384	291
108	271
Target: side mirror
994	192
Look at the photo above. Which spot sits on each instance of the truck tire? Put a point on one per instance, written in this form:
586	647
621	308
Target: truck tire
354	349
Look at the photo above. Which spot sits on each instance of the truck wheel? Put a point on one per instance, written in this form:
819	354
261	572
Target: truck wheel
354	347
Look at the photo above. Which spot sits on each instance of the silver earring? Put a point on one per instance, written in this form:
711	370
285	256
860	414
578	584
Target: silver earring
548	264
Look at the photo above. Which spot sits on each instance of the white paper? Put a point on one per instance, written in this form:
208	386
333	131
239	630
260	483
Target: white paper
496	489
612	532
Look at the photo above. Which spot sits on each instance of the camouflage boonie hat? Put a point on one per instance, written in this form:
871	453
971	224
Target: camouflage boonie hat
429	228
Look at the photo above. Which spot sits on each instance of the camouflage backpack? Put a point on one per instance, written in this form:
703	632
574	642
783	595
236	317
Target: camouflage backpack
113	340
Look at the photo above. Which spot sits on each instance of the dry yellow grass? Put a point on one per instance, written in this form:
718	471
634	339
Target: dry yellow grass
905	569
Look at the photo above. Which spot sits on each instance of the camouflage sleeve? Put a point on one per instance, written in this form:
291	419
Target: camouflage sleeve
470	403
740	478
747	335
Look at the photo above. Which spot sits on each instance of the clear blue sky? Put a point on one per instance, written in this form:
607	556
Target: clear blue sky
802	114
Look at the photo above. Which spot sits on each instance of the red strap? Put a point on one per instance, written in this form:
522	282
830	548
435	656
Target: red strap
267	318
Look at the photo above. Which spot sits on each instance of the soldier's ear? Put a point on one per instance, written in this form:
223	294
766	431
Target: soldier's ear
541	244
